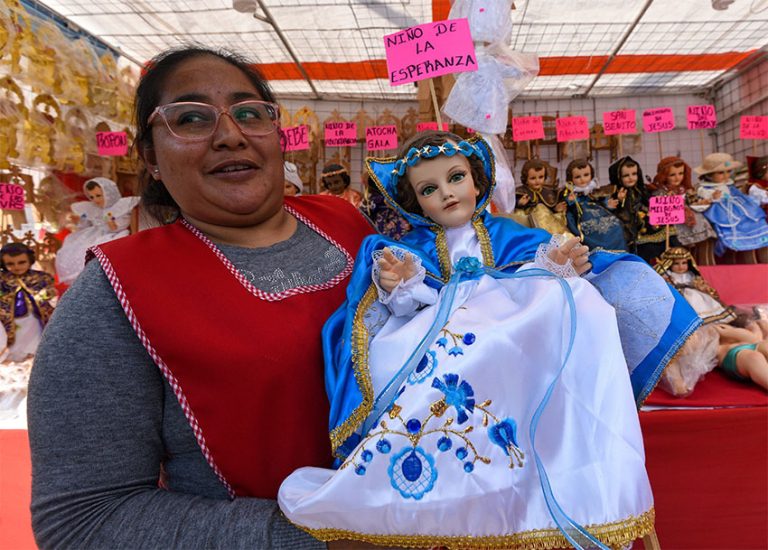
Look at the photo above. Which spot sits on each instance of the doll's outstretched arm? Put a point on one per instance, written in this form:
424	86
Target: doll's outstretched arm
566	258
399	278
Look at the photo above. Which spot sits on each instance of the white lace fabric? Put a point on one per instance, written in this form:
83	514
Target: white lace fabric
543	260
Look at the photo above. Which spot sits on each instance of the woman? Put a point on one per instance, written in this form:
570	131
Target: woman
168	401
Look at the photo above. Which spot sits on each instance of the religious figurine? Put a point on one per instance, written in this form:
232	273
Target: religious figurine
758	181
335	180
538	199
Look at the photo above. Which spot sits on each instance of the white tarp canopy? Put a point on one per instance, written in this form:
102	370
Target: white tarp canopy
334	48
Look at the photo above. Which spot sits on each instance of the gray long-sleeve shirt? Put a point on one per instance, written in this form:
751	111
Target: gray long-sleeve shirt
102	421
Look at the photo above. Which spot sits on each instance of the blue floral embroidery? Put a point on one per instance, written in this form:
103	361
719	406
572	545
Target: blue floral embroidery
426	366
458	395
504	434
412	472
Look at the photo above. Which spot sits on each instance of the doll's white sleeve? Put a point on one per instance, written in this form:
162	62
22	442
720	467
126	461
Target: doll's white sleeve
759	194
408	296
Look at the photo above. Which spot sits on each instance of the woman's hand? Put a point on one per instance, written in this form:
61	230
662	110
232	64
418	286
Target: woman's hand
575	251
393	270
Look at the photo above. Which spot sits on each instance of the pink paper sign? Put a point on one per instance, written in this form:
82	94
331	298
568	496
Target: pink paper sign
340	134
661	119
429	50
11	196
701	117
112	144
572	128
424	126
753	127
666	210
296	138
526	128
381	138
619	122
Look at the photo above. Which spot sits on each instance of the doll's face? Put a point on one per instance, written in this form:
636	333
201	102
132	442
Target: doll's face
335	184
581	176
680	266
18	264
675	176
537	178
96	196
290	189
629	176
721	176
445	189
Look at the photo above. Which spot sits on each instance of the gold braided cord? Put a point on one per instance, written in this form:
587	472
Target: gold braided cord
441	244
334	173
359	345
485	242
617	534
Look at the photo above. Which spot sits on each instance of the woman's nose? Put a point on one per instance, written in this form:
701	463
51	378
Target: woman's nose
227	133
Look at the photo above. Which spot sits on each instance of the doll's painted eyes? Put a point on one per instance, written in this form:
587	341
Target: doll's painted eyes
457	177
427	190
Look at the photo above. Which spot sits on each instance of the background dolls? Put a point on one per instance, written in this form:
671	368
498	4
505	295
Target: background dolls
335	180
104	217
589	214
539	200
632	196
737	219
673	177
758	181
27	299
442	354
293	184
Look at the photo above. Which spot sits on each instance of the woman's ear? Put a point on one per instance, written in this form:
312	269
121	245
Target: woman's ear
150	160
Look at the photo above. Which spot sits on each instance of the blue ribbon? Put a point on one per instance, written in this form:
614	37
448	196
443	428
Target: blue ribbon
466	269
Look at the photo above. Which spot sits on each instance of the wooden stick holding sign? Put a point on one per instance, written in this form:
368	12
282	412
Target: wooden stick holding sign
428	51
666	210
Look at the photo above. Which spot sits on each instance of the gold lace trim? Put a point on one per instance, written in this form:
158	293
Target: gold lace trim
359	346
485	242
616	534
443	256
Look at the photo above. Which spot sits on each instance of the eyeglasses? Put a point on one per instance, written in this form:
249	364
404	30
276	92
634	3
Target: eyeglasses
191	121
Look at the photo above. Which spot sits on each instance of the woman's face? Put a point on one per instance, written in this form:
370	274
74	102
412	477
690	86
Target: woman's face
536	178
675	176
629	176
229	179
679	266
96	196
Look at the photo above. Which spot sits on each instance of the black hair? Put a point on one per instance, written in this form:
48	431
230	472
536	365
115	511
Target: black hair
330	169
16	249
578	163
406	196
154	195
533	164
91	185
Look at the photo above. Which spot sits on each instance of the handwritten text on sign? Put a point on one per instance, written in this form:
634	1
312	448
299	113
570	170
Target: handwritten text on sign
429	50
666	210
425	126
381	138
701	117
296	138
619	122
11	196
753	127
661	119
112	144
572	128
340	134
526	128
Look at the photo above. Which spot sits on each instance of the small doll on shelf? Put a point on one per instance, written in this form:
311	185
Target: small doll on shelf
589	213
673	177
743	351
632	196
758	181
461	342
539	201
335	180
27	299
104	217
293	184
738	219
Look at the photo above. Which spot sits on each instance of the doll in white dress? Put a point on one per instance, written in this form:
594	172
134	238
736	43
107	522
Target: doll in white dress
480	398
104	217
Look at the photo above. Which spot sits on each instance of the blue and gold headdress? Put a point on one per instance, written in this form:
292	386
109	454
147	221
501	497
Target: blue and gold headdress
386	172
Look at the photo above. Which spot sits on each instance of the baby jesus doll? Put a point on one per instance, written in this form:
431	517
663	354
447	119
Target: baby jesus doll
540	201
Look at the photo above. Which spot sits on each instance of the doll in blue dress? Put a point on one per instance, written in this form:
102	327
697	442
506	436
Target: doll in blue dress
590	214
482	388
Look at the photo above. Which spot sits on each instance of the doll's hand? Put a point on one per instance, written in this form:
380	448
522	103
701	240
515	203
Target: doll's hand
571	197
112	225
575	251
622	194
394	270
717	194
612	203
524	199
561	207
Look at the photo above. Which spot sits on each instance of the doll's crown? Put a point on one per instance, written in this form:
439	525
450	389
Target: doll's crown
448	149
